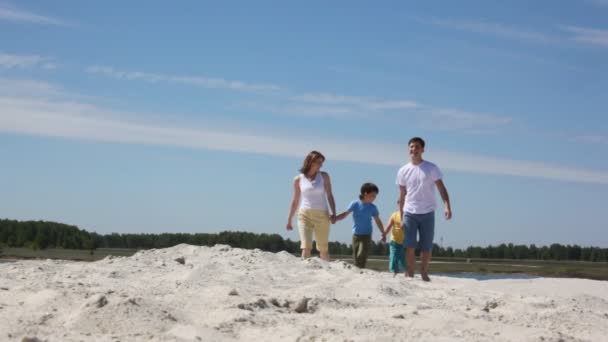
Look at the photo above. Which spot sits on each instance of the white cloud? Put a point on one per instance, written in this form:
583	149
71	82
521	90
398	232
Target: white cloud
495	29
339	106
363	102
453	119
392	105
326	98
9	61
602	3
428	116
588	36
11	13
328	104
592	139
314	111
206	82
511	167
582	35
24	87
49	66
18	88
54	116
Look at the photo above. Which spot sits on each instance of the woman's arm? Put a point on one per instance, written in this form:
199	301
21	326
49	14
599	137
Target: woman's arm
330	196
294	202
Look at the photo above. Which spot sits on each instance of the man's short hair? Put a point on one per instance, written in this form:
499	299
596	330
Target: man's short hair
416	139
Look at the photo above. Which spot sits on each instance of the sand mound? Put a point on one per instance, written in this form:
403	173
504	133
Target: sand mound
191	293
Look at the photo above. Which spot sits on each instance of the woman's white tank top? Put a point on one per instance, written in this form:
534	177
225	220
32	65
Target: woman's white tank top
313	193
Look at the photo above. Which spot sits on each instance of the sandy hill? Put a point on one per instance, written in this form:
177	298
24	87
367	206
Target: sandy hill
191	293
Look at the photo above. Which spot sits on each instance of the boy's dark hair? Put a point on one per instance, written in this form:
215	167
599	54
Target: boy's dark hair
416	139
367	188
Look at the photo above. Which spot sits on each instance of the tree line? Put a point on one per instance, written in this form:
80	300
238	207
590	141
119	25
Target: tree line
44	234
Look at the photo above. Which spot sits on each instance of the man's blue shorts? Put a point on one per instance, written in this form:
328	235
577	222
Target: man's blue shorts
422	225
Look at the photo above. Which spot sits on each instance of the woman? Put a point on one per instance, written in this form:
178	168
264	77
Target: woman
314	187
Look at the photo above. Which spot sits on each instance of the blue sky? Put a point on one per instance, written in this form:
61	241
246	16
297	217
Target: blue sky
194	117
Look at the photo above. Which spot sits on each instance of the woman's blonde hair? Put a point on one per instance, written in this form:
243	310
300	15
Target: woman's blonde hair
312	157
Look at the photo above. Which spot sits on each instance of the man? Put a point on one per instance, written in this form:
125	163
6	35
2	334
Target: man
417	181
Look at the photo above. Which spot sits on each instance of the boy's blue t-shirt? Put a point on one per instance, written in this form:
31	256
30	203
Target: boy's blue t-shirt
362	216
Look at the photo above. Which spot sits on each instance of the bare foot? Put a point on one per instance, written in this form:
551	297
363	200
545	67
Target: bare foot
409	275
425	277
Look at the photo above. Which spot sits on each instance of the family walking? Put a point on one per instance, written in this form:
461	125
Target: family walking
411	226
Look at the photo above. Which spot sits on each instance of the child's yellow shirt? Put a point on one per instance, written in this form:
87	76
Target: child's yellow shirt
397	231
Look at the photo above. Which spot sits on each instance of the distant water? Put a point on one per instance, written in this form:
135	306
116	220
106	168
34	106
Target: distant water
493	276
7	260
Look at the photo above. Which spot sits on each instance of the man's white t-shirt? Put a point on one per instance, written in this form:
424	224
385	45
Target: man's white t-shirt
419	181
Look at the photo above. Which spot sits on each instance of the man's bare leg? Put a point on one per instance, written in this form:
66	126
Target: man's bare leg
324	255
411	262
424	268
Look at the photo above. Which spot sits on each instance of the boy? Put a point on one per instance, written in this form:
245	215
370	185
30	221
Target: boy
363	211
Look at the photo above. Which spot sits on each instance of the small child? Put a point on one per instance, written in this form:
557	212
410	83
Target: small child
396	261
363	210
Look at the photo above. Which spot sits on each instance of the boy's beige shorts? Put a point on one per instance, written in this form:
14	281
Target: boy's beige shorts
317	221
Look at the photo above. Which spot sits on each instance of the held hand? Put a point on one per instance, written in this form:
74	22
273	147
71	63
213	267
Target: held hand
289	226
448	213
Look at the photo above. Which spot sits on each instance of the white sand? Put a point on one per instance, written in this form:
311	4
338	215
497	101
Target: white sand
149	296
